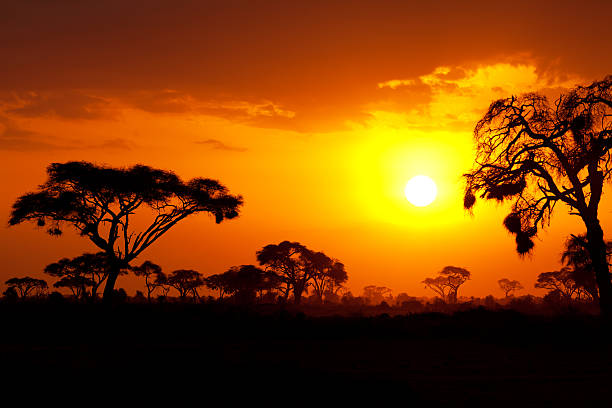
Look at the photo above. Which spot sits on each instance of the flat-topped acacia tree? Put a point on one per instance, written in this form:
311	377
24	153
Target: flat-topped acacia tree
101	203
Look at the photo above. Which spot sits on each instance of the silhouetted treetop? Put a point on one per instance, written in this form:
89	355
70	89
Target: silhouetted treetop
509	286
448	281
537	154
100	202
24	286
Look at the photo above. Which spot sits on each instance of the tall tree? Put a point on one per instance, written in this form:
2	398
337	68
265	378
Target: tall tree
26	285
536	155
100	202
154	277
509	286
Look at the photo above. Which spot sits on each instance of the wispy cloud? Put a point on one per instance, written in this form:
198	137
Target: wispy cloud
70	104
219	145
396	83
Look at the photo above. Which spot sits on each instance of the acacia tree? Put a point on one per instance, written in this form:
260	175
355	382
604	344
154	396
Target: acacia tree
88	270
101	202
329	274
77	284
154	277
448	281
536	155
560	281
438	285
290	261
509	286
244	282
219	282
186	281
24	286
377	294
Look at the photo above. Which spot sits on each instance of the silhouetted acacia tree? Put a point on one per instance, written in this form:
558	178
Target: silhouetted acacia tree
438	285
289	261
560	281
154	277
328	274
24	286
448	281
375	295
537	154
246	281
100	203
77	284
186	281
509	286
91	270
220	282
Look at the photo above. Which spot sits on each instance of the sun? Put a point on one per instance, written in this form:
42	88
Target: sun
421	191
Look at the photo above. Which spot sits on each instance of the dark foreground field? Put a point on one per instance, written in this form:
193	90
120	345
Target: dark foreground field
137	353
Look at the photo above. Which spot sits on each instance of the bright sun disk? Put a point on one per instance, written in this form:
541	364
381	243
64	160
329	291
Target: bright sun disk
421	191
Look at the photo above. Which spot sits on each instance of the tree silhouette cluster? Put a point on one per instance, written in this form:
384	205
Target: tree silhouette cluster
101	202
298	268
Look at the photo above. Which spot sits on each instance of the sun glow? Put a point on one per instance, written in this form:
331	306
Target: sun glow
421	191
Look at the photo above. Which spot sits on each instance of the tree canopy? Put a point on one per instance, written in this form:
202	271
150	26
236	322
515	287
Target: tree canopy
509	286
26	285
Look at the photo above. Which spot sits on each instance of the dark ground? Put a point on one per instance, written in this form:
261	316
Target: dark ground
200	352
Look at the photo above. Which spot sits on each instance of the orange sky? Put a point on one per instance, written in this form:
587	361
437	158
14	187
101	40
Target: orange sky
317	112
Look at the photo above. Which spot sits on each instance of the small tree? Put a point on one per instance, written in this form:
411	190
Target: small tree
100	202
77	284
154	277
329	274
27	285
220	282
536	155
290	261
186	281
91	270
509	286
375	295
448	281
560	281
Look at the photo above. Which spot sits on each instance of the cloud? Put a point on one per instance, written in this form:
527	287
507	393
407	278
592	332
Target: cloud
67	104
396	83
14	137
459	95
219	145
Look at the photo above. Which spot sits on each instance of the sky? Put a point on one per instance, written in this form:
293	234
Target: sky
317	112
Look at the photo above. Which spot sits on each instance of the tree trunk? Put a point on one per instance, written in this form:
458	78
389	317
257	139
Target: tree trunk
109	288
599	259
297	293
